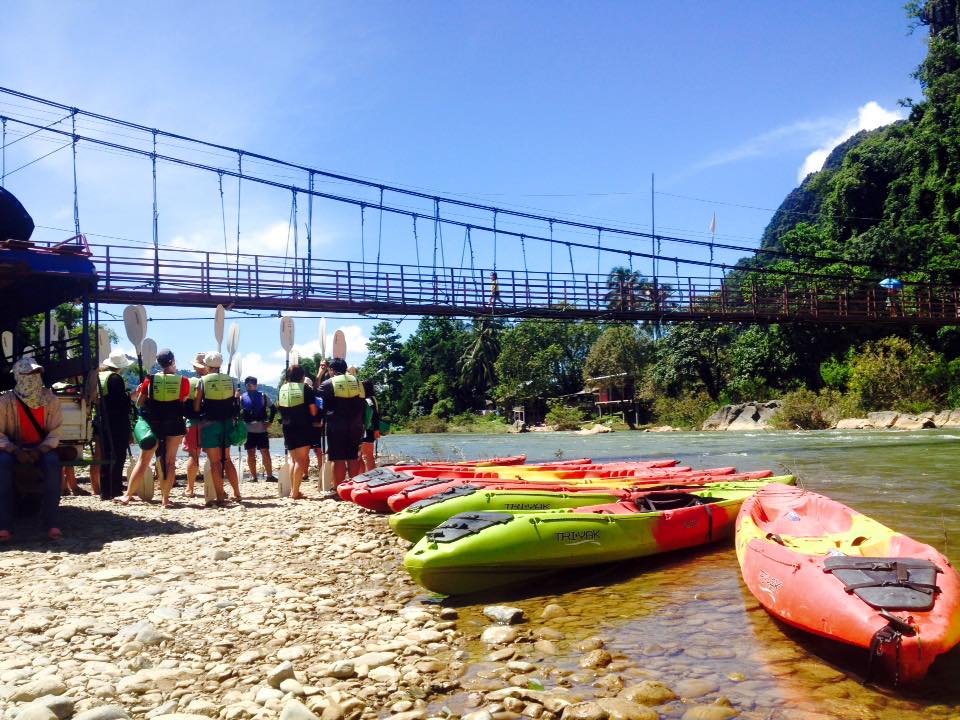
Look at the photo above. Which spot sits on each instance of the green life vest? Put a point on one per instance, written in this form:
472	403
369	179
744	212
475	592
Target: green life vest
291	395
165	388
104	376
217	386
347	386
194	384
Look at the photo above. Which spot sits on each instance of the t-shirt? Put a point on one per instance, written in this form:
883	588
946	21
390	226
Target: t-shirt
28	433
342	414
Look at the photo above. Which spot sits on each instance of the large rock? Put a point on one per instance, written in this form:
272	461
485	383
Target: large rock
104	712
648	692
709	712
295	710
620	709
911	422
585	711
504	614
37	689
853	424
883	419
35	712
499	635
743	417
947	418
60	705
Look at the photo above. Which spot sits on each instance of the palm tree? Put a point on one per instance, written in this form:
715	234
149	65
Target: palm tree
624	288
477	364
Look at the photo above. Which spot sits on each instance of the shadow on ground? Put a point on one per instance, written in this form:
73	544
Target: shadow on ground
88	529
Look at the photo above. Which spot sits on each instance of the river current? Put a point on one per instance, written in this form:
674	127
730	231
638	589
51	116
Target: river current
687	619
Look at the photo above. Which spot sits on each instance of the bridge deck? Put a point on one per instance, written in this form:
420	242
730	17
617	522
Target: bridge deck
201	279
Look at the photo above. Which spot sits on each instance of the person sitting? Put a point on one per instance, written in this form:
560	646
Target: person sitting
30	420
259	412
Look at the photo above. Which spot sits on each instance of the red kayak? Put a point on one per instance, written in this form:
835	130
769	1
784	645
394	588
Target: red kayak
822	567
421	491
373	494
382	476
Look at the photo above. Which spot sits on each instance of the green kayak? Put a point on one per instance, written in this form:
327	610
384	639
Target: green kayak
414	522
482	550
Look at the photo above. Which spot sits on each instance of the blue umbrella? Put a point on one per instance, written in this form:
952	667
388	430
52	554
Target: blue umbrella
891	284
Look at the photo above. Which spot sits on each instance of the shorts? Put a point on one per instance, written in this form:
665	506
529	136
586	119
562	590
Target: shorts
343	446
257	441
214	433
297	436
168	426
191	441
318	438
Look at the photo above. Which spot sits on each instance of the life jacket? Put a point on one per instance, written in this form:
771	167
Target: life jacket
291	395
368	414
218	400
254	406
347	386
188	411
103	377
165	388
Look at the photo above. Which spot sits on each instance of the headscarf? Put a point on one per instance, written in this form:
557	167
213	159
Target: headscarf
29	382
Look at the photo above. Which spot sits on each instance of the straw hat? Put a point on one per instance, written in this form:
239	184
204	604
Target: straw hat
213	359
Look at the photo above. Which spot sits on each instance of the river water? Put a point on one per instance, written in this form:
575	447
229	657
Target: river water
687	619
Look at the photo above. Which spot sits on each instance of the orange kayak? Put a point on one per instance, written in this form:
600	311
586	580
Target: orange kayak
820	566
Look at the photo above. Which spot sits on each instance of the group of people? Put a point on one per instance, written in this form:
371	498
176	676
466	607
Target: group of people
334	414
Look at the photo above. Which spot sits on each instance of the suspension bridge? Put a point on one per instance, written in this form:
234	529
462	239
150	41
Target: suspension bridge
672	287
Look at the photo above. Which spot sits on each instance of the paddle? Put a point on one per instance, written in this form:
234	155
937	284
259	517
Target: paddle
218	318
241	465
148	349
233	341
339	350
294	357
286	342
65	338
323	338
6	338
136	326
339	345
103	344
286	335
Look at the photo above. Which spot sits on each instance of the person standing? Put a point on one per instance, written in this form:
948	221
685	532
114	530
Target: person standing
259	412
113	421
344	406
217	399
30	420
297	410
371	421
191	441
163	394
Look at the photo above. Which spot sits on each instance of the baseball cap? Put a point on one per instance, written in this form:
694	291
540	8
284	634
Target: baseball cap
249	379
165	357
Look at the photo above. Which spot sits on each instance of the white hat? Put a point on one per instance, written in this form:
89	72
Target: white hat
198	363
213	359
26	365
118	360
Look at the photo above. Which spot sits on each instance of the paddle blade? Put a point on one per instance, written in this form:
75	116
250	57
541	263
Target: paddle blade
218	318
339	345
42	333
294	357
323	338
54	330
148	350
240	369
135	325
286	333
7	341
142	312
233	338
103	342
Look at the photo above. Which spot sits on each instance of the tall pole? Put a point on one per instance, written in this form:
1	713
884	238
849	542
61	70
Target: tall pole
653	223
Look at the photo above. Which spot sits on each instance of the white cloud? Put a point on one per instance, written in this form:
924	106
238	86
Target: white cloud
265	371
869	117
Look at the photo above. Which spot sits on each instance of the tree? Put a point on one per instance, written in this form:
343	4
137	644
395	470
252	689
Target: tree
542	359
693	355
430	359
384	365
624	288
477	366
622	348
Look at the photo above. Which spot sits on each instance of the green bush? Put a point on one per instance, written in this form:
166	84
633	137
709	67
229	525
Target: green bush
806	410
688	410
565	418
443	408
426	424
892	374
836	372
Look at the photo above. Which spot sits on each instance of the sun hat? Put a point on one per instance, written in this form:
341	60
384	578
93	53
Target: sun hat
26	365
213	359
117	360
165	357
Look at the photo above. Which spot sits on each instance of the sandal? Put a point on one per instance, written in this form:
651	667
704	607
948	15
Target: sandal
54	534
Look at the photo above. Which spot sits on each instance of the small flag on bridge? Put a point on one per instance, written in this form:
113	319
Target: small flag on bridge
713	224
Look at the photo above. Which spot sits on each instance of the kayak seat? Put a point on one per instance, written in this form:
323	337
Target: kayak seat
386	477
663	501
458	491
887	583
466	524
374	474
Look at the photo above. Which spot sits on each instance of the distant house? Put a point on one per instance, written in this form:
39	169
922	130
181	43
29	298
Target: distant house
614	395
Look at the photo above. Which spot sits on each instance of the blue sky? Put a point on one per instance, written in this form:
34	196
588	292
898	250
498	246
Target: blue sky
563	107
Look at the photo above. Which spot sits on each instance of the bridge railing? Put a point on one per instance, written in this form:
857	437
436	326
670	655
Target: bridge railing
168	276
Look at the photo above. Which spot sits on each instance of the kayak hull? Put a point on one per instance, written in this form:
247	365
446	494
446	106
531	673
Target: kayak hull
415	521
787	539
507	549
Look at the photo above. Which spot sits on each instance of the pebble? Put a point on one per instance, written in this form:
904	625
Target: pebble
61	705
504	614
499	635
648	692
553	610
620	709
38	688
104	712
296	710
36	712
281	672
709	712
585	711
